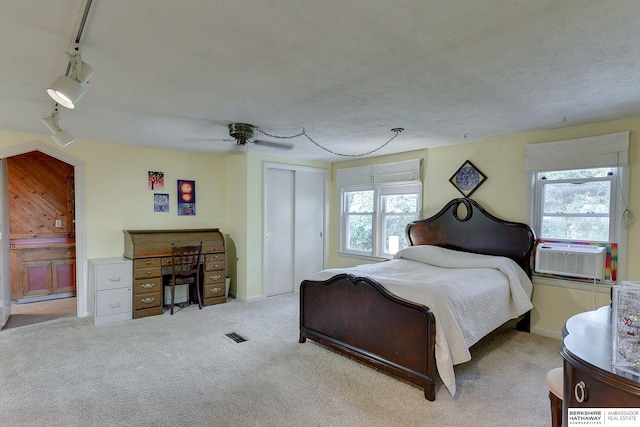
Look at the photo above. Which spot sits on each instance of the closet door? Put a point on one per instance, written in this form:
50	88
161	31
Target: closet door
309	226
279	229
294	246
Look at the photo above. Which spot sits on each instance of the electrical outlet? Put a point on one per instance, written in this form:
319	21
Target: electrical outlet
58	223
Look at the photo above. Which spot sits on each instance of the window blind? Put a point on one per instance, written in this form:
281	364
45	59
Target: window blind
385	173
609	150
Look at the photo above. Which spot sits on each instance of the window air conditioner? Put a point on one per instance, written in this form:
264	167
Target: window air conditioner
571	260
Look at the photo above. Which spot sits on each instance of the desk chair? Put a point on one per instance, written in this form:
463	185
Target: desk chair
186	263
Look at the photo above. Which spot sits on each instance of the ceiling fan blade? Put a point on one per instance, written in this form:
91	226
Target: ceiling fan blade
274	144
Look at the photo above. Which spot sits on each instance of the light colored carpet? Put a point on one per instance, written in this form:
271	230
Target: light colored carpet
182	370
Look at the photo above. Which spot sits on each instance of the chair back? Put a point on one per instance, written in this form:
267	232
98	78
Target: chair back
186	261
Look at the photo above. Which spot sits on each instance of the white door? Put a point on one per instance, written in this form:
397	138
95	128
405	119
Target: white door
279	213
294	221
5	282
309	225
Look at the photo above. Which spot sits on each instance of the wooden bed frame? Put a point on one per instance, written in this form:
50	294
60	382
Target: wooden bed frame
358	317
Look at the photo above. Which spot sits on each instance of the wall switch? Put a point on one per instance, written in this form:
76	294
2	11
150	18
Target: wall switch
58	223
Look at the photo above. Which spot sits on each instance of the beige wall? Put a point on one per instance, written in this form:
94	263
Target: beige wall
505	195
229	196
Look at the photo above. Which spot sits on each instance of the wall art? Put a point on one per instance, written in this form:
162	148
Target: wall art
467	179
186	197
160	202
155	180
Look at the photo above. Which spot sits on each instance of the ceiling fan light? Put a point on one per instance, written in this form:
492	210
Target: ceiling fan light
63	138
66	91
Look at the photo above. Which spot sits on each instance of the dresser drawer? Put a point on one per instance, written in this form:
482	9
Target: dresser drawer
113	301
145	286
113	276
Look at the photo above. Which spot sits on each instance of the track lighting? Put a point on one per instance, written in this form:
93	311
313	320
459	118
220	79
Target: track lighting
68	90
61	136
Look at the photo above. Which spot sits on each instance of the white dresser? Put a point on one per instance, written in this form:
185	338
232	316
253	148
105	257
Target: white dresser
110	282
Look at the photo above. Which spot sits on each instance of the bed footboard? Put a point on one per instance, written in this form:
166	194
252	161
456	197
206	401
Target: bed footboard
358	317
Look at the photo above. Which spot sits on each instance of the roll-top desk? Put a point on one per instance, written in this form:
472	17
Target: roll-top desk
150	251
589	379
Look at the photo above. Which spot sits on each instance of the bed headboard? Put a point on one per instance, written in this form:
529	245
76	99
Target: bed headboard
465	226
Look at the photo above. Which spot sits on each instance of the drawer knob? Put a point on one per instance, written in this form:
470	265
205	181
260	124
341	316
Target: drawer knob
579	391
115	279
114	304
215	290
148	300
148	262
148	285
215	277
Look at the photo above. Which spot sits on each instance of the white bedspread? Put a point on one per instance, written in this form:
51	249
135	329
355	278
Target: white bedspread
470	295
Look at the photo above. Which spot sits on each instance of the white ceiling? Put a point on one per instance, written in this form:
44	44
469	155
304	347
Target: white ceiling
174	73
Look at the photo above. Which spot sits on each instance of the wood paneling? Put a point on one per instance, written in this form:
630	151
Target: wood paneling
40	192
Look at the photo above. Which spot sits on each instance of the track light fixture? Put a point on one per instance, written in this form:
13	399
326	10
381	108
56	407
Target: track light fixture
67	90
61	136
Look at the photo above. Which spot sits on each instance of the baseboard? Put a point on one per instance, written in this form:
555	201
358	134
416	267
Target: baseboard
547	333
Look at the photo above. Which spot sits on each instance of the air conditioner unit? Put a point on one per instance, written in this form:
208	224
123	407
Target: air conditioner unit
571	260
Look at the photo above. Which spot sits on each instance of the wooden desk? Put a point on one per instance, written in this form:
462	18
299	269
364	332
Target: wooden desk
150	251
586	350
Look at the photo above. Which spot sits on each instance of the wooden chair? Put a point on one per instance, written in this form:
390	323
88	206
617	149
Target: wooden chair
554	382
186	263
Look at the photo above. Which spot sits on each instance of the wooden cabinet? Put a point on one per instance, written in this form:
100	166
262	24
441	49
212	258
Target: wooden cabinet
110	285
589	379
39	271
150	251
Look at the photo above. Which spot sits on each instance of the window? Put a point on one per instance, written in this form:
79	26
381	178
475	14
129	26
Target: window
579	192
374	219
576	205
377	202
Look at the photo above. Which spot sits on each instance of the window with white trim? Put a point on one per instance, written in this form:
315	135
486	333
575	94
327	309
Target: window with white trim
577	205
579	189
377	202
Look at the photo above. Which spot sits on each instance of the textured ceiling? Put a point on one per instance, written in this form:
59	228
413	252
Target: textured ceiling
174	73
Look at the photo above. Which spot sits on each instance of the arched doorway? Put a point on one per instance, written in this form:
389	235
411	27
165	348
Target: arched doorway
80	270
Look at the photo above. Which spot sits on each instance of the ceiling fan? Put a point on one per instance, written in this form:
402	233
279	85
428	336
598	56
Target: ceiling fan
242	133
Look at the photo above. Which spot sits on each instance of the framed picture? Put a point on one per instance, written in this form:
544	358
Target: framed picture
467	179
160	202
186	197
155	180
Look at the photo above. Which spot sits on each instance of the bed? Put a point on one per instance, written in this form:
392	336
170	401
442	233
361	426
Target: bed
361	311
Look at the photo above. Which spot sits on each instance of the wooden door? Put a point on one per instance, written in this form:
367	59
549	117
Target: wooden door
5	282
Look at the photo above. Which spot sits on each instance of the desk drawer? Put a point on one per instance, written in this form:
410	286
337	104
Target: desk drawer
211	277
147	272
145	286
213	290
113	301
146	263
148	300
